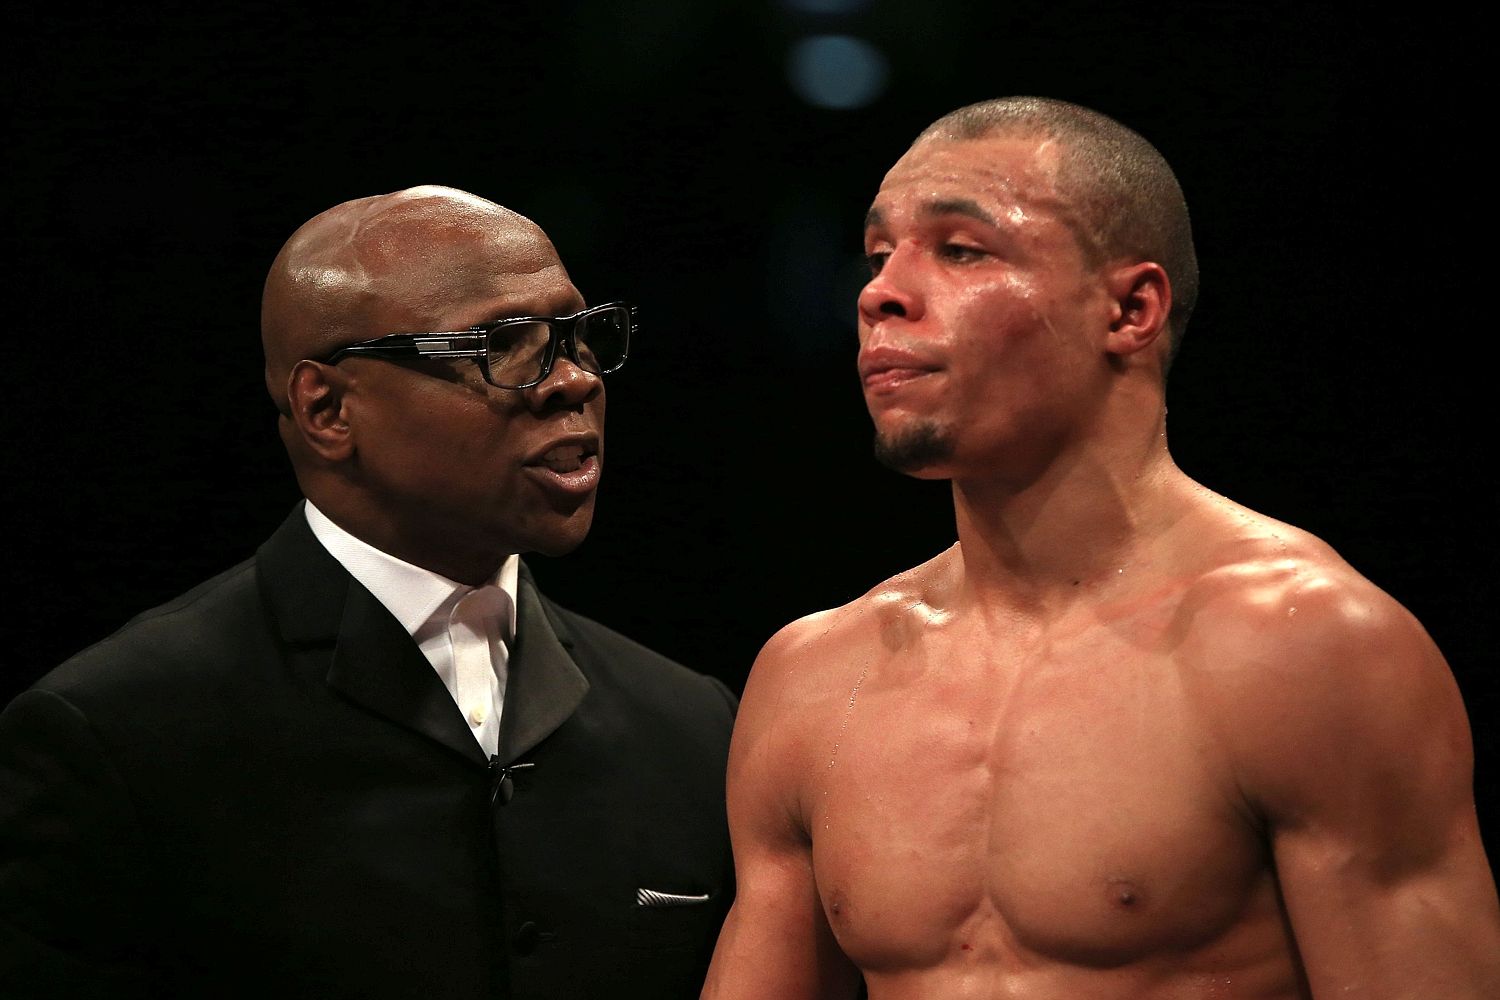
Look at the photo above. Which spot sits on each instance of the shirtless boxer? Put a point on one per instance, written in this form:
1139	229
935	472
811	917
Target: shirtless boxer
1126	739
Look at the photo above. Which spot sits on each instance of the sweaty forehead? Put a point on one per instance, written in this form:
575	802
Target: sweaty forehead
1002	175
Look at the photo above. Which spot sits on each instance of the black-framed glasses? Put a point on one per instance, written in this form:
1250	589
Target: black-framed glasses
518	353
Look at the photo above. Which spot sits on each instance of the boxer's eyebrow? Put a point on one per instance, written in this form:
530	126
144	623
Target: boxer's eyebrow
966	207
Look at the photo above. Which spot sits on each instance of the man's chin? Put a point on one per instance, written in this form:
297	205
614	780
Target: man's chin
554	549
919	450
560	539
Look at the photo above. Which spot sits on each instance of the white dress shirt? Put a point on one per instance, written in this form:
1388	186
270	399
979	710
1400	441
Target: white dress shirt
465	632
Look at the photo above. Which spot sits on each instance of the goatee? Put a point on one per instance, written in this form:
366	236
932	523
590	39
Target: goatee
913	448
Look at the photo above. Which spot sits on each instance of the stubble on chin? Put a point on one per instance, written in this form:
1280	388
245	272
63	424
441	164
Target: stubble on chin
914	447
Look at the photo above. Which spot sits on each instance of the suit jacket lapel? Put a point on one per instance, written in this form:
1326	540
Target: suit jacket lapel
375	664
545	686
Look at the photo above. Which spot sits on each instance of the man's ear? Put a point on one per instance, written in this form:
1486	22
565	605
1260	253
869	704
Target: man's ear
315	393
1141	295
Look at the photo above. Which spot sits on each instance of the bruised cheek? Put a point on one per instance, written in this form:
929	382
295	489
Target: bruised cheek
1001	314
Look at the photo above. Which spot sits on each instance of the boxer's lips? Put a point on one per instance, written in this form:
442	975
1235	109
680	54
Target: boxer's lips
887	369
891	379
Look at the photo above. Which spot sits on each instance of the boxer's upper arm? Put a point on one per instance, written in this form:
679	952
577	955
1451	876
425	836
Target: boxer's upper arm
1356	753
776	941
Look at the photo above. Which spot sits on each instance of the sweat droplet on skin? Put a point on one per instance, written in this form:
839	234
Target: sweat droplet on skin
849	711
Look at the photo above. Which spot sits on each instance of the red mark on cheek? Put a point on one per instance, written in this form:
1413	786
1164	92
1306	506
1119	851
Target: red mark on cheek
966	946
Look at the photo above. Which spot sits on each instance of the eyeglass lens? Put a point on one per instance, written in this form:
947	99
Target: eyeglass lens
517	351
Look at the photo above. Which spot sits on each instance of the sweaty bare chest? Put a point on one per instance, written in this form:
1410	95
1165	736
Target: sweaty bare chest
1075	810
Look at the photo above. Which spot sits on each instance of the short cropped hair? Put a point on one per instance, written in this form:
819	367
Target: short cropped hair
1127	198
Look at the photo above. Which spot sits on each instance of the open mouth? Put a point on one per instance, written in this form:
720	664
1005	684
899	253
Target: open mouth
565	458
571	467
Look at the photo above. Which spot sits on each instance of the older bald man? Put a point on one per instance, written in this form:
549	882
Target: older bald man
373	761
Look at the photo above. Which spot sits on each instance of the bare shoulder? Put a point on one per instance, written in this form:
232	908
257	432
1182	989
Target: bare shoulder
810	656
1312	671
804	673
1273	599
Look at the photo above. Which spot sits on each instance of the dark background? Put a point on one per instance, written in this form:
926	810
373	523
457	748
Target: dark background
1336	375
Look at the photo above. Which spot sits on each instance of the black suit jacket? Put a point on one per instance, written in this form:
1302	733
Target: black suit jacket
263	789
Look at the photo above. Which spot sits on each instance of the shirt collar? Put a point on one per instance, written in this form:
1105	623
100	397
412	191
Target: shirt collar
413	595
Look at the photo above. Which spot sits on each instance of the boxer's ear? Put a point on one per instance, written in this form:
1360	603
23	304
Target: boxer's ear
1141	302
315	395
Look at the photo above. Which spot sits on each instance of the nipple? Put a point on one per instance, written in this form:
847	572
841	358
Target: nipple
1125	894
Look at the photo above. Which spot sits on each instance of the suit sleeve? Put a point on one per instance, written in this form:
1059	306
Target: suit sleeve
72	893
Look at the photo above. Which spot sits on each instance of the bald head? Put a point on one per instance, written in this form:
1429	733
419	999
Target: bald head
380	265
1126	200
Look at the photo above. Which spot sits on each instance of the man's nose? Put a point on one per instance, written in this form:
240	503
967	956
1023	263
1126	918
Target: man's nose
566	385
892	292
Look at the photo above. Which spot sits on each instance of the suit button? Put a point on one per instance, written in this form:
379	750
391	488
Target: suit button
526	938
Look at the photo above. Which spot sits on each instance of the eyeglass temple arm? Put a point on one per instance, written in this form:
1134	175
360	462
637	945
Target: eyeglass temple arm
413	345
